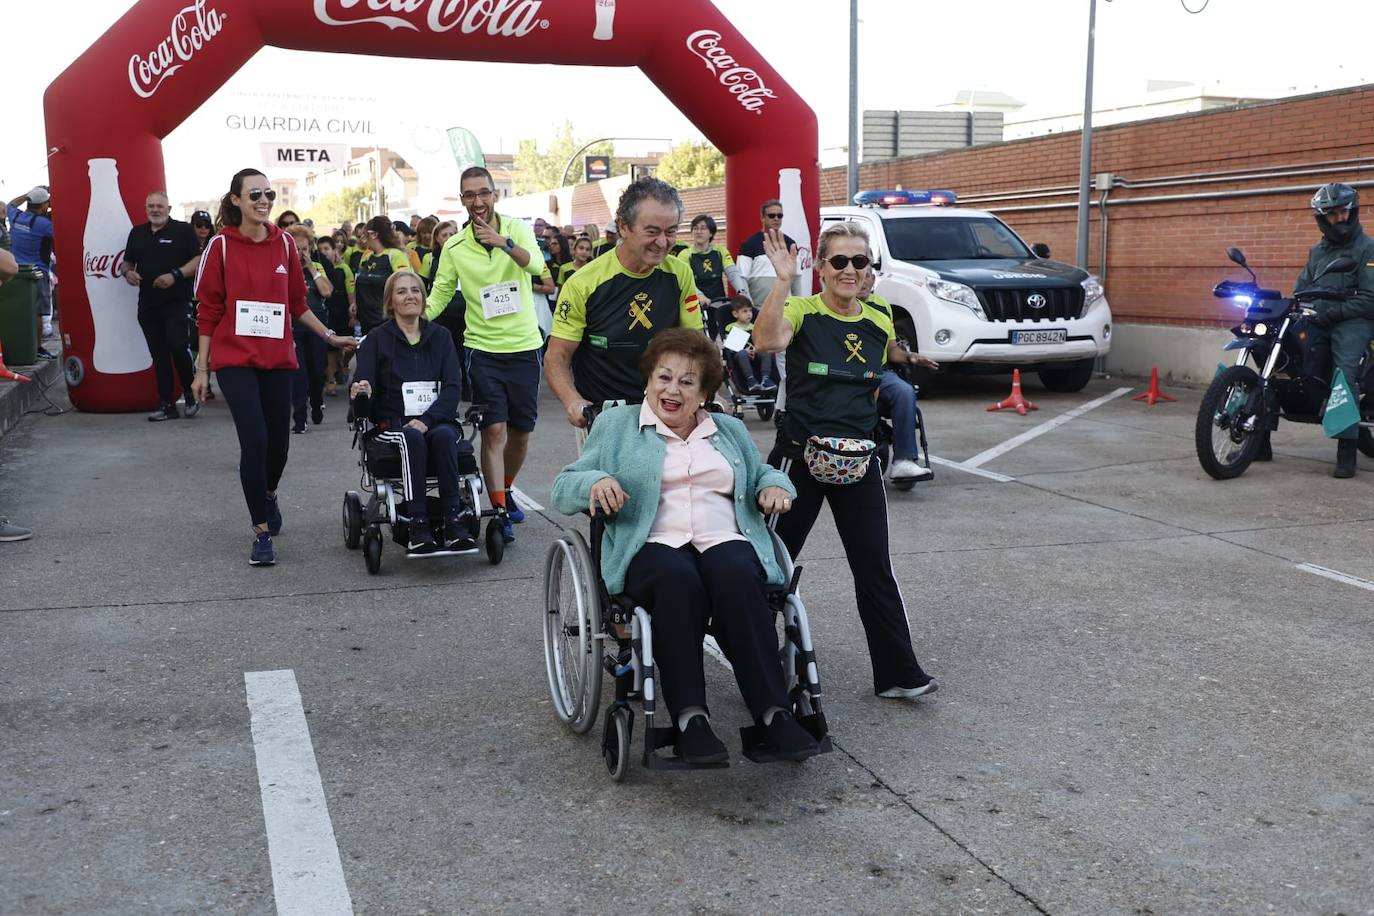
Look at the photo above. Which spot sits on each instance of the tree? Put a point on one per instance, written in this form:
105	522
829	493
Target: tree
339	207
692	165
542	171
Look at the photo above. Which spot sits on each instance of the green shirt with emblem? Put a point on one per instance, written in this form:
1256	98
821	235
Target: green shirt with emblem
834	365
709	269
612	314
467	264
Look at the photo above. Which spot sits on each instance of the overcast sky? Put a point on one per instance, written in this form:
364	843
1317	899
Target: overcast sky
914	53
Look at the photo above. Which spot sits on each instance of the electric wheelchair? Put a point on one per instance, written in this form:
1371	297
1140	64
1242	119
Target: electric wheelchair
381	479
885	438
589	633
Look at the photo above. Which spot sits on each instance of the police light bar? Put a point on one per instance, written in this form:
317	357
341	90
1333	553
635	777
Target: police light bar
904	198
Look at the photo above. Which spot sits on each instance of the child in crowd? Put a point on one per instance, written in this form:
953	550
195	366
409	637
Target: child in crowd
754	368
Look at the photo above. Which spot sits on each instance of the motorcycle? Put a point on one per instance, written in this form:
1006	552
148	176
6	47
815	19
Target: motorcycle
1289	378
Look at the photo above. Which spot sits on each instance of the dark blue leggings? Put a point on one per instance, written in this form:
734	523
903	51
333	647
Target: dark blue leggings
260	401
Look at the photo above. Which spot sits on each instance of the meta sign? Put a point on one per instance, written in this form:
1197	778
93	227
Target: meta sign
316	156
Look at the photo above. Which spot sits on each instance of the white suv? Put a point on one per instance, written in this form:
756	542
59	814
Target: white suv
969	293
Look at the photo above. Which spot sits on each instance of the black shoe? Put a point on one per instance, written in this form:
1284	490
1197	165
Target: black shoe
924	684
1266	451
698	744
751	386
458	534
317	415
420	540
768	385
165	412
192	408
298	429
791	740
1346	449
273	516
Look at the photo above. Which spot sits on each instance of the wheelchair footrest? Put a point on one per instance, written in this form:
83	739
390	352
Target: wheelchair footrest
443	552
759	750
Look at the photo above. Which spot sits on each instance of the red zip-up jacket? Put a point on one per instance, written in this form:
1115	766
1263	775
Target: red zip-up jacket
235	268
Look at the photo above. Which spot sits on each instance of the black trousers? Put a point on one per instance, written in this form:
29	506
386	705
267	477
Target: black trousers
260	402
860	511
308	382
681	589
167	331
435	450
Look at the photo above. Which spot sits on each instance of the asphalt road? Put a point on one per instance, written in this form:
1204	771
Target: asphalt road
1147	707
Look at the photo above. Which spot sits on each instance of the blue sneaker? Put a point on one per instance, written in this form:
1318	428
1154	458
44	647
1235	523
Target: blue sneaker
262	554
507	530
516	514
273	516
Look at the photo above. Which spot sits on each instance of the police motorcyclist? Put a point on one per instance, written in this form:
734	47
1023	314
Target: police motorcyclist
1345	325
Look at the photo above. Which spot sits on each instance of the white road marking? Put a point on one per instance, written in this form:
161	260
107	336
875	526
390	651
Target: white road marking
985	456
307	876
523	500
713	649
1336	576
990	475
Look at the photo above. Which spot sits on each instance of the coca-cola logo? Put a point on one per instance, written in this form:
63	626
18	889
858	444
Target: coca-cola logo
506	18
104	266
744	83
190	30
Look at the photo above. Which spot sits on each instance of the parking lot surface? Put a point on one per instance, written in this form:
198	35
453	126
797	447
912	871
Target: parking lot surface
1155	692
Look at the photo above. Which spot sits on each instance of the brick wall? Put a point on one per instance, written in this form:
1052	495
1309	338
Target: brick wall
1163	256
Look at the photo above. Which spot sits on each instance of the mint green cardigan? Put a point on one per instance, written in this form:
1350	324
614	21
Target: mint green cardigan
618	447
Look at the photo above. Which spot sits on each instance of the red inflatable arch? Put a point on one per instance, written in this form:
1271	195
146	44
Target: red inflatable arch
108	112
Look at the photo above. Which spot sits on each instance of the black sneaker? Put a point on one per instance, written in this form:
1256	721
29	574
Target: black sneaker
698	744
317	415
263	554
192	408
165	412
791	740
273	516
420	540
458	535
924	684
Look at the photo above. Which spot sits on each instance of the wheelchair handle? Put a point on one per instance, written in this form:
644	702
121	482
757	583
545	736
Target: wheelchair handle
589	415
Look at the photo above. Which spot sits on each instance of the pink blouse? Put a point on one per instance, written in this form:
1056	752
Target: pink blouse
696	504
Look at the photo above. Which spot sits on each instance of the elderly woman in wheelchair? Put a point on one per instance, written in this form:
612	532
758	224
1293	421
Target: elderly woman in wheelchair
682	489
407	383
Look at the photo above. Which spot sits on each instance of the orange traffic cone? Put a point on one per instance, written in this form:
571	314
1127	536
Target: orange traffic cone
1015	401
1153	395
7	373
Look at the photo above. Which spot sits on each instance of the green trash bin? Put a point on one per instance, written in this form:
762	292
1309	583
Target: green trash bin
19	318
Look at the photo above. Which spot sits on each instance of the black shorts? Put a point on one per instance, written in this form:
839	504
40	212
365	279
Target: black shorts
506	386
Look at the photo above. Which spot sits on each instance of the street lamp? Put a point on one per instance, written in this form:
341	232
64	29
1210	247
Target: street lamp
1086	154
573	158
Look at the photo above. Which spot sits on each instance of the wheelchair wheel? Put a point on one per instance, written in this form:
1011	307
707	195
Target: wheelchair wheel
904	483
496	542
372	550
765	411
615	743
352	520
572	623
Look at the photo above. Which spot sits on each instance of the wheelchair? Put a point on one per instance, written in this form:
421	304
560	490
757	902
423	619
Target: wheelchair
381	479
741	399
885	439
588	633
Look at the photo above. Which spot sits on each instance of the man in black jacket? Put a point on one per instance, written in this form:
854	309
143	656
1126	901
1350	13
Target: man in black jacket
160	258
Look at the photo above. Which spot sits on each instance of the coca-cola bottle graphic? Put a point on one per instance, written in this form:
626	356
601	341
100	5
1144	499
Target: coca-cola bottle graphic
794	224
119	347
605	20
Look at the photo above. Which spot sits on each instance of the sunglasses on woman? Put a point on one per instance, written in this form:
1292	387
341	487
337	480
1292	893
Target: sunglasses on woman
841	261
258	194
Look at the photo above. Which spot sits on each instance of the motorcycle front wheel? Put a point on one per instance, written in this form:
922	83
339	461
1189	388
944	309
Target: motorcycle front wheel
1225	447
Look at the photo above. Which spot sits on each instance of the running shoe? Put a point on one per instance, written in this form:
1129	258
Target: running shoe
924	684
513	510
421	540
9	532
192	408
165	412
317	415
262	554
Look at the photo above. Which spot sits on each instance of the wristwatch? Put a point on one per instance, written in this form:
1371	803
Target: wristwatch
510	245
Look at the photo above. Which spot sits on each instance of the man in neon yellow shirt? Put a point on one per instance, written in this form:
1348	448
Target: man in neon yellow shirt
610	309
494	261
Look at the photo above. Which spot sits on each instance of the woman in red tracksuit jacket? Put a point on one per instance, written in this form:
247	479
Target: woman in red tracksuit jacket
251	288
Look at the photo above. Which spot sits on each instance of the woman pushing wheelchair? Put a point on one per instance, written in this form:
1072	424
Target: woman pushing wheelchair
408	370
688	540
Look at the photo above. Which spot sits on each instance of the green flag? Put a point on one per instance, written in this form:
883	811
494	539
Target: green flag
466	150
1342	411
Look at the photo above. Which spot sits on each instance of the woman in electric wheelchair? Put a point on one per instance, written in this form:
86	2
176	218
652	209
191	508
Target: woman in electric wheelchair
687	540
407	369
